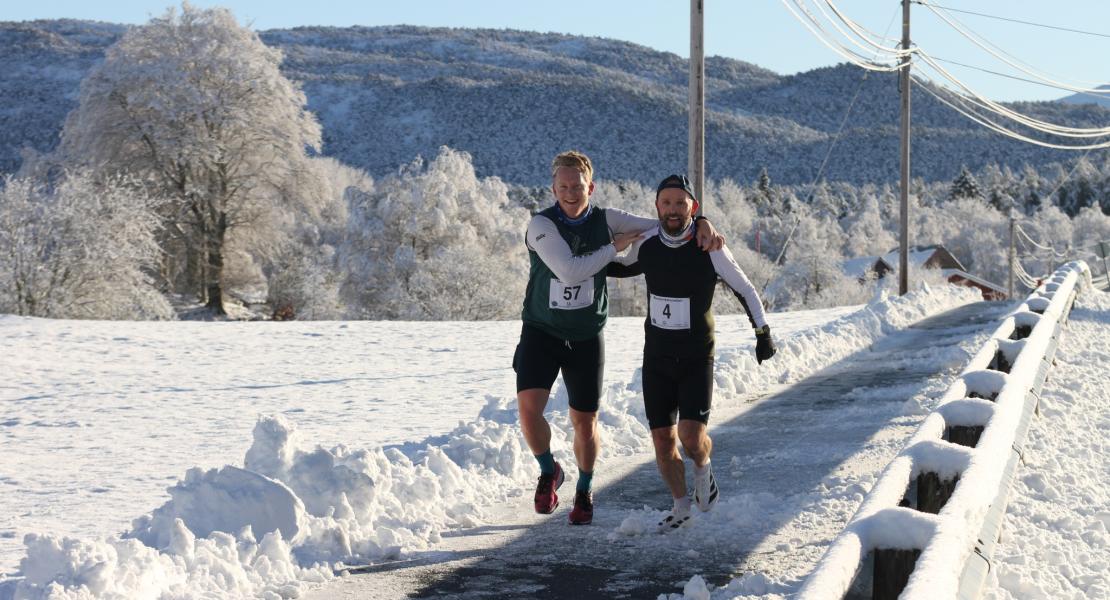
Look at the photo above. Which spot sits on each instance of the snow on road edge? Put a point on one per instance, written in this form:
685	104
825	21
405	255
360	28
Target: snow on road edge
315	507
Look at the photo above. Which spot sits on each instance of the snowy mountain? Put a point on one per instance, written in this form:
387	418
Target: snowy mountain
1084	98
513	99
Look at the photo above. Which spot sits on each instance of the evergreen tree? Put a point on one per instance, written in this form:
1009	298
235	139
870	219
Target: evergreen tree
964	186
765	198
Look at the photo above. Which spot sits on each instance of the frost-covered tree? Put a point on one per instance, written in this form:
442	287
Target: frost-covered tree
195	104
812	271
866	234
964	186
436	242
305	272
81	248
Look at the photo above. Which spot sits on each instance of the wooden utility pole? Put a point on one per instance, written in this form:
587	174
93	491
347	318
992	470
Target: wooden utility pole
1013	266
696	156
904	217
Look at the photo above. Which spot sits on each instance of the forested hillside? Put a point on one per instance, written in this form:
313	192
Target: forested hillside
191	166
513	99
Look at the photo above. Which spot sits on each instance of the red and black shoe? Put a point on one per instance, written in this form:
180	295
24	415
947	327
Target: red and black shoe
546	498
583	511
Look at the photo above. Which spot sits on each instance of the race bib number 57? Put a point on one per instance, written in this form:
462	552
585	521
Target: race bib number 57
669	313
571	296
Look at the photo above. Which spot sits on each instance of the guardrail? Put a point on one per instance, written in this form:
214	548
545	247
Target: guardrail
926	529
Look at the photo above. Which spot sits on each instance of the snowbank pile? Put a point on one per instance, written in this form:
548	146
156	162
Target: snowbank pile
293	513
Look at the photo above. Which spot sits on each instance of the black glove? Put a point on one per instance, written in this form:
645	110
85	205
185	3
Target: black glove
764	347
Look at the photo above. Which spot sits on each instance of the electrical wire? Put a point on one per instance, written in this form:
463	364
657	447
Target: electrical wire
1014	77
1024	276
815	28
1039	246
995	107
978	14
1027	65
1067	177
975	39
843	122
996	127
961	103
862	32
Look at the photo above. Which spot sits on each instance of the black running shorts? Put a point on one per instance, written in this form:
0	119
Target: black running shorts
677	386
539	357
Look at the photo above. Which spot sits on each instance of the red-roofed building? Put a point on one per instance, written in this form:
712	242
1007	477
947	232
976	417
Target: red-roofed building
927	257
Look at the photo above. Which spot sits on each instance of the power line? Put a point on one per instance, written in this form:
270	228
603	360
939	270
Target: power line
997	128
961	102
1004	111
810	22
1007	75
1023	79
844	121
978	14
983	43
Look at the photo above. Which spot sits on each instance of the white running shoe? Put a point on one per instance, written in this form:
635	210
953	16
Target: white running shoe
677	518
706	492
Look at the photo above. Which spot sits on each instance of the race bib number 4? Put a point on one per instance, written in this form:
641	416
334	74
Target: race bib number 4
669	313
571	296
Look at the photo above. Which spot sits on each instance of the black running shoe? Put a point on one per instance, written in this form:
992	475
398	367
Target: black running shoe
546	498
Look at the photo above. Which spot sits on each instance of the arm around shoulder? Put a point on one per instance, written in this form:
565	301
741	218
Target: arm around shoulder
543	238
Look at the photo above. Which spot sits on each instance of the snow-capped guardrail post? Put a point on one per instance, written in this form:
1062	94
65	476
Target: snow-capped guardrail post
927	528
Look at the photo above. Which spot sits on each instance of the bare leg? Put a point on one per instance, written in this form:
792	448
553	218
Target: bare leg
587	441
695	441
537	433
667	458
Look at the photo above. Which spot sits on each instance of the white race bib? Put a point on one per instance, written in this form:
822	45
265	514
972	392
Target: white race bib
669	313
571	296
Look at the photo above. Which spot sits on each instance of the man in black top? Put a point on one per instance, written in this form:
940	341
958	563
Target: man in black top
565	308
679	343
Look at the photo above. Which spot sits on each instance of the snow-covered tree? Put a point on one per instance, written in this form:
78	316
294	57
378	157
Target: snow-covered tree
764	183
82	248
436	242
812	276
304	274
866	232
195	104
964	186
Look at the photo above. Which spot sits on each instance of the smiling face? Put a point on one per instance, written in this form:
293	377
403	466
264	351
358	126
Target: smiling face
572	190
675	208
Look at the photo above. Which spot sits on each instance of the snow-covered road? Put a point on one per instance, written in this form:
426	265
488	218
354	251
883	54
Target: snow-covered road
792	463
394	446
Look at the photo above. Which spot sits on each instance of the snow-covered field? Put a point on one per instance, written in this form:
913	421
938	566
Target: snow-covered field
385	435
1056	536
99	418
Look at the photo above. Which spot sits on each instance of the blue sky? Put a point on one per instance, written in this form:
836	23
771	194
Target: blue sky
758	31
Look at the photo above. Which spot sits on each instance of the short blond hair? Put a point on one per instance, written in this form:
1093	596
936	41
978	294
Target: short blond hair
575	160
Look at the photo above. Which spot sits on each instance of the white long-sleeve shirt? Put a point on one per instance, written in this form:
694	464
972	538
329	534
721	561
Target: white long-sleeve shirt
543	238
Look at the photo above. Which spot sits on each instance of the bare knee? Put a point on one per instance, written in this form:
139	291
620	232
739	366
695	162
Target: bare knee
531	403
665	442
585	424
694	439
